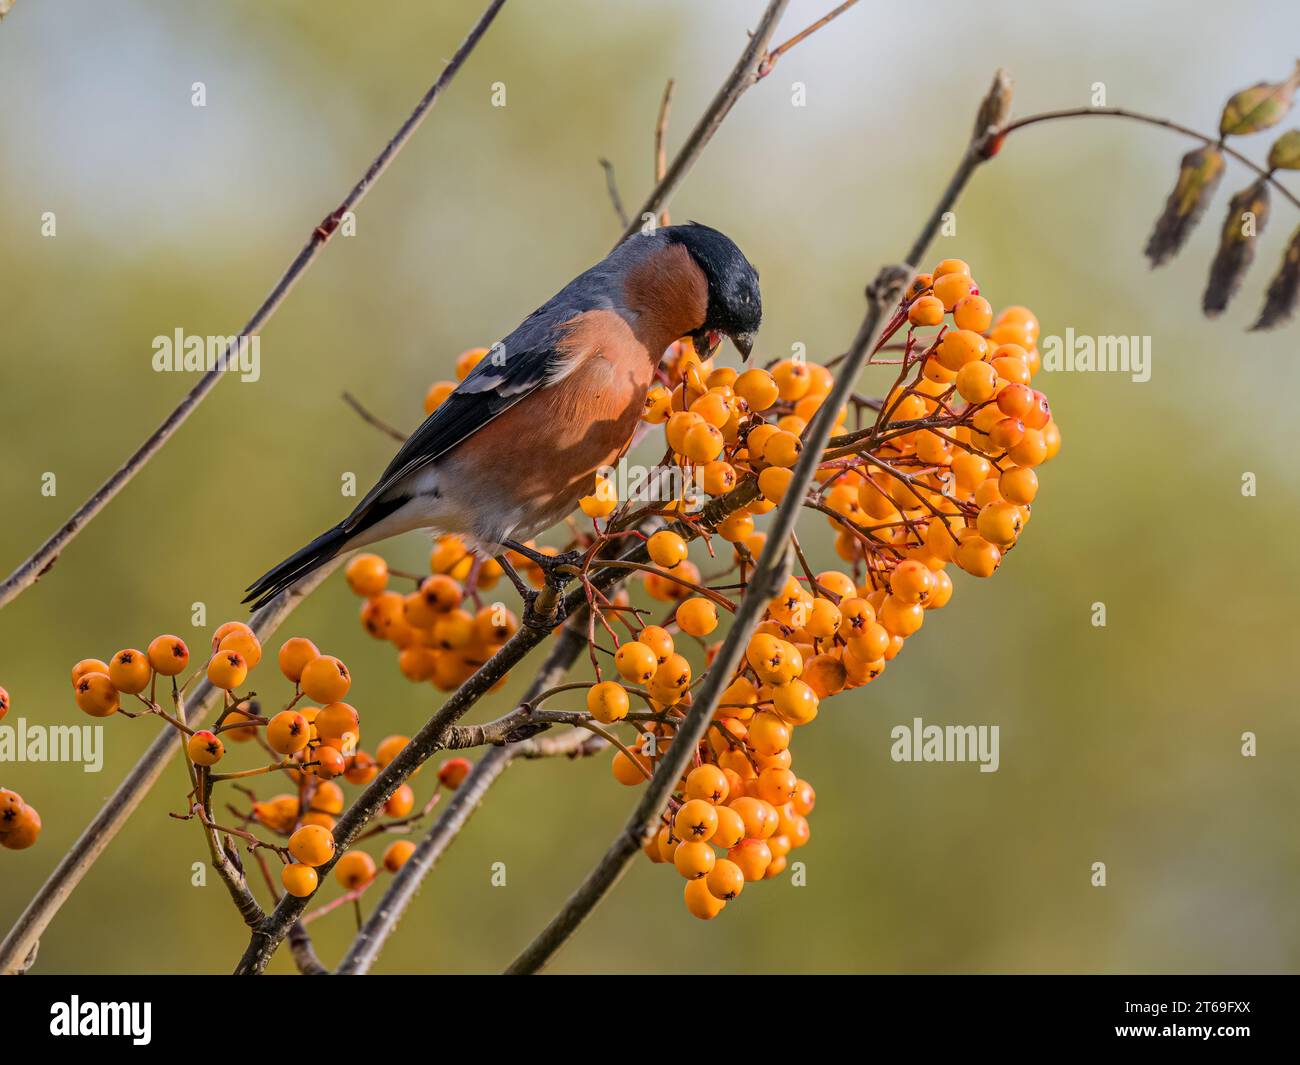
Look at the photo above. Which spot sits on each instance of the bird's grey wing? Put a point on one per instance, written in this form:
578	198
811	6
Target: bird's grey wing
513	369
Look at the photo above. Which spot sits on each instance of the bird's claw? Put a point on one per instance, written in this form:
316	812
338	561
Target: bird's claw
534	619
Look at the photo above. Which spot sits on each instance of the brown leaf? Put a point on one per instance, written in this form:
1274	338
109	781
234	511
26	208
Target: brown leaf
1198	176
1247	214
1285	153
1280	301
1259	107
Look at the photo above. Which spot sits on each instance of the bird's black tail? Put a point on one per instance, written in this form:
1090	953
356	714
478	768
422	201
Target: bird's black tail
296	566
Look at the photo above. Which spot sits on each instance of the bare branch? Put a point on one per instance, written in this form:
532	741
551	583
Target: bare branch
611	184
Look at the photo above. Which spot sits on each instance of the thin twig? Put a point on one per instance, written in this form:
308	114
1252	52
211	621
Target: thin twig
374	419
611	185
30	571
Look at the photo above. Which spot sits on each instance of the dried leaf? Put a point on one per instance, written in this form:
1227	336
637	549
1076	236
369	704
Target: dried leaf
1280	301
1247	214
1259	107
1198	176
996	105
1285	153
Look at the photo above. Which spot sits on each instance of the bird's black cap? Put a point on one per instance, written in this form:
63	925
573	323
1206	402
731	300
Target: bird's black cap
735	304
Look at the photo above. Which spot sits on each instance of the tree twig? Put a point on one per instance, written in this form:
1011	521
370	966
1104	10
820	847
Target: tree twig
611	185
374	419
30	571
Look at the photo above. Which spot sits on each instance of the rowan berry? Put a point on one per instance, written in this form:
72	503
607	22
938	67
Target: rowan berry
397	854
603	501
950	289
977	382
205	748
911	582
227	669
234	729
1000	523
226	629
4	703
696	821
752	857
673	674
288	732
658	405
88	665
328	798
608	702
96	695
726	880
325	679
707	782
978	557
926	311
694	860
19	827
130	671
401	802
825	675
701	902
312	845
900	618
942	591
361	768
367	575
168	655
871	644
782	449
776	785
958	348
437	395
1032	448
1039	413
697	617
354	870
972	312
793	379
950	266
330	762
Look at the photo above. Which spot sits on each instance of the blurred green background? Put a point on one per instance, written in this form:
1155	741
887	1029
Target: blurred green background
1118	744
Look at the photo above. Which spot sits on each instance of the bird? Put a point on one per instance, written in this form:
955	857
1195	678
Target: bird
511	450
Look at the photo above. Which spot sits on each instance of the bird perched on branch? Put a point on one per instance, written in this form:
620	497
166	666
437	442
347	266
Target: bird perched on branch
512	449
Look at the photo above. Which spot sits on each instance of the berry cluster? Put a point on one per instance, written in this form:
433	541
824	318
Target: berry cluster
944	471
310	746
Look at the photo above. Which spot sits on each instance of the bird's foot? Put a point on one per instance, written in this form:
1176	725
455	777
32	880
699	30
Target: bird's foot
536	618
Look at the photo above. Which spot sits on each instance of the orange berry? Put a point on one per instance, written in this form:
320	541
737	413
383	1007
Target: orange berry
757	388
977	382
730	830
718	477
673	674
329	761
238	734
978	557
452	772
696	821
288	732
951	289
389	748
367	575
960	347
168	655
774	482
228	670
636	662
751	857
950	266
338	721
626	771
911	582
1000	523
658	639
397	854
328	798
973	312
299	880
227	629
607	702
759	816
401	802
312	845
776	785
707	782
205	748
130	671
694	860
899	618
702	442
437	395
925	311
701	902
825	675
726	880
246	644
793	379
88	665
697	617
325	679
468	359
782	449
795	701
666	549
1031	450
354	870
361	768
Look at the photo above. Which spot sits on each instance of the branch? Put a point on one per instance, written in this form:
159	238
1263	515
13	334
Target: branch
374	419
51	896
30	571
379	926
773	566
611	184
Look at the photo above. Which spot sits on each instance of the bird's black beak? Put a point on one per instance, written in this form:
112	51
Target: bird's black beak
744	344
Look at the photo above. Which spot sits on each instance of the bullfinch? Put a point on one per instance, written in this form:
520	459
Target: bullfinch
510	451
